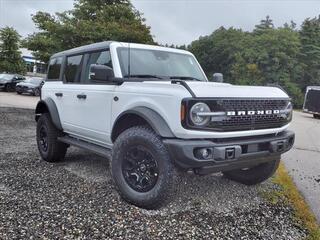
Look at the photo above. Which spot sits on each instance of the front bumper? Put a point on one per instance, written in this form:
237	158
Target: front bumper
229	153
24	89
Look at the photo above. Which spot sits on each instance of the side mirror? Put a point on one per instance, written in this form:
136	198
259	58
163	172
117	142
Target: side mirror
100	72
217	77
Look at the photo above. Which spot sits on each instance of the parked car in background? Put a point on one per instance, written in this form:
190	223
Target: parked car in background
312	101
31	85
8	81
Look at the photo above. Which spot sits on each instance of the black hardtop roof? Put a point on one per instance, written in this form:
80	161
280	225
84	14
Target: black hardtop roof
83	49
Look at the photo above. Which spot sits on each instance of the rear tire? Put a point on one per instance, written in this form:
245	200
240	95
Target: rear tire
254	175
50	149
141	168
8	88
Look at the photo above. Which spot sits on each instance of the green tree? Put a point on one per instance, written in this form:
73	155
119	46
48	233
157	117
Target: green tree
217	52
90	21
265	56
310	52
265	24
10	56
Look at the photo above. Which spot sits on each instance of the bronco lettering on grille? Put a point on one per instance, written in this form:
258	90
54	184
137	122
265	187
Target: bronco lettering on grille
258	112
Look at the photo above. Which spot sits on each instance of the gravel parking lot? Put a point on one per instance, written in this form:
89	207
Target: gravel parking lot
76	199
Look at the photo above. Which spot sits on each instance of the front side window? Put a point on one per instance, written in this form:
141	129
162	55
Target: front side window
73	69
165	64
97	58
54	68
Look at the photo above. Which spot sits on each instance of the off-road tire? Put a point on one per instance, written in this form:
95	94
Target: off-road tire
18	92
254	175
55	150
161	191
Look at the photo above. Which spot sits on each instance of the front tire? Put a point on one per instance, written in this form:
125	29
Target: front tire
50	149
316	116
36	92
253	175
141	167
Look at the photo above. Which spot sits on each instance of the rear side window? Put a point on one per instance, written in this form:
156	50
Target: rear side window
72	71
98	58
54	69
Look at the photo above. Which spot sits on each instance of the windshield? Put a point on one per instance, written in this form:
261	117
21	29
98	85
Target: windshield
6	76
163	64
33	80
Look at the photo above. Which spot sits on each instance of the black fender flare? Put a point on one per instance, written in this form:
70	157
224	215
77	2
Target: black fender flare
51	107
154	119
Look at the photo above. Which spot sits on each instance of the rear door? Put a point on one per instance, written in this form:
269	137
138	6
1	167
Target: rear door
86	104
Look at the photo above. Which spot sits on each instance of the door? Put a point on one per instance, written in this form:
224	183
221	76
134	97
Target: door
86	104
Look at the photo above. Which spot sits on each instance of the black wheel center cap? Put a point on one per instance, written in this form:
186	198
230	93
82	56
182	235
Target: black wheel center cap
143	167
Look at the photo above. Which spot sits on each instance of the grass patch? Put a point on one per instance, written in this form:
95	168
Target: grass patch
290	193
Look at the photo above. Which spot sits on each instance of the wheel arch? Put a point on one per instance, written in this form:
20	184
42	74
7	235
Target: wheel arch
141	116
48	106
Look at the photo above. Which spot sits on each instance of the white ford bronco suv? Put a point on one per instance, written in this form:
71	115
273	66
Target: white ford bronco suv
154	109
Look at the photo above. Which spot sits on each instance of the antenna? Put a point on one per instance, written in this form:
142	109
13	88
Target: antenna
129	57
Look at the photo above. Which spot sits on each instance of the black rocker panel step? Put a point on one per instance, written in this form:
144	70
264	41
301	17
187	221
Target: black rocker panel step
102	151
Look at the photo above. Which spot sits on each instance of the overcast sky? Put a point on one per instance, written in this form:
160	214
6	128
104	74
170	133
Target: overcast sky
176	21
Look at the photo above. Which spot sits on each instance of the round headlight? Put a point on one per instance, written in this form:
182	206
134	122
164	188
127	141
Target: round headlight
195	114
289	109
287	112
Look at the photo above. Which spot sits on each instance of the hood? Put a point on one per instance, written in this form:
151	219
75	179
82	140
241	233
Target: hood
212	89
24	84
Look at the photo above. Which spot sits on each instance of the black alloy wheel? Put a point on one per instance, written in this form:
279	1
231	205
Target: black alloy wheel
140	169
43	138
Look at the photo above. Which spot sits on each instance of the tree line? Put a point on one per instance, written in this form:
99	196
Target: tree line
286	56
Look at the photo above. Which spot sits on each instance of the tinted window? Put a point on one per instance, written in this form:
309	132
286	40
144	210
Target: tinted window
73	69
99	58
54	68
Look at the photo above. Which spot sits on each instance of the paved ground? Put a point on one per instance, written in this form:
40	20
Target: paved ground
20	101
303	162
76	199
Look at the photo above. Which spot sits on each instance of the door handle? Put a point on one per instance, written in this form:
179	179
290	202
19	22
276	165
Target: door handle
59	94
81	96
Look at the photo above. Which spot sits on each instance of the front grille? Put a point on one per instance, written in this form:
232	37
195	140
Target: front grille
247	122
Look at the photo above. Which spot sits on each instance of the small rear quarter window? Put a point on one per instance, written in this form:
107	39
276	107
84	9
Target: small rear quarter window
54	69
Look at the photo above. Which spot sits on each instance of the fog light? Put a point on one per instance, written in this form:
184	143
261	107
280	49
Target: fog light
204	153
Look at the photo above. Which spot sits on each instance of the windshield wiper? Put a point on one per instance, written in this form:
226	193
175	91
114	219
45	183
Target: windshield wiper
185	78
143	76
